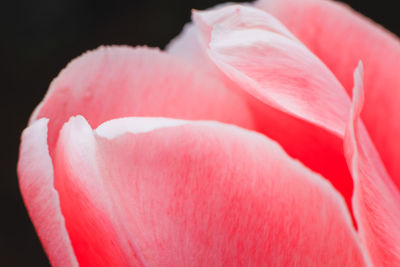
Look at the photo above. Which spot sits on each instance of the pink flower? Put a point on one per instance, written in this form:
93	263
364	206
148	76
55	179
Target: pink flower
238	146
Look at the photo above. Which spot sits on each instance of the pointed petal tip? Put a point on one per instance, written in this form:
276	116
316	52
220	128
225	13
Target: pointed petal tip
358	89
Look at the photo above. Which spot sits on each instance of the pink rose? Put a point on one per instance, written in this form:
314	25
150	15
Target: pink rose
238	146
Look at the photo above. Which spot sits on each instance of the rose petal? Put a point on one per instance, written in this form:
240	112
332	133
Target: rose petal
188	45
317	148
35	172
265	59
342	37
376	199
195	194
113	82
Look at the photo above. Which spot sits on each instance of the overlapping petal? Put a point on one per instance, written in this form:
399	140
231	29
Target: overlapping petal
294	98
376	199
257	52
36	180
114	82
341	37
166	192
176	193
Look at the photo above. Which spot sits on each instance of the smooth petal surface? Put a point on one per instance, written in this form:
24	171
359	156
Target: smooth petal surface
319	149
35	172
188	45
341	37
257	52
175	193
376	199
114	82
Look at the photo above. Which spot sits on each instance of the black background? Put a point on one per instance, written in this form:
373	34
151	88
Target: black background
38	38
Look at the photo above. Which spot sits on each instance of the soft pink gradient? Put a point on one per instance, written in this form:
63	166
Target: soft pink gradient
296	89
376	199
114	82
341	37
36	179
239	146
179	194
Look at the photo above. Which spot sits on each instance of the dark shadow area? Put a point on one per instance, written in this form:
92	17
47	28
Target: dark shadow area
40	37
